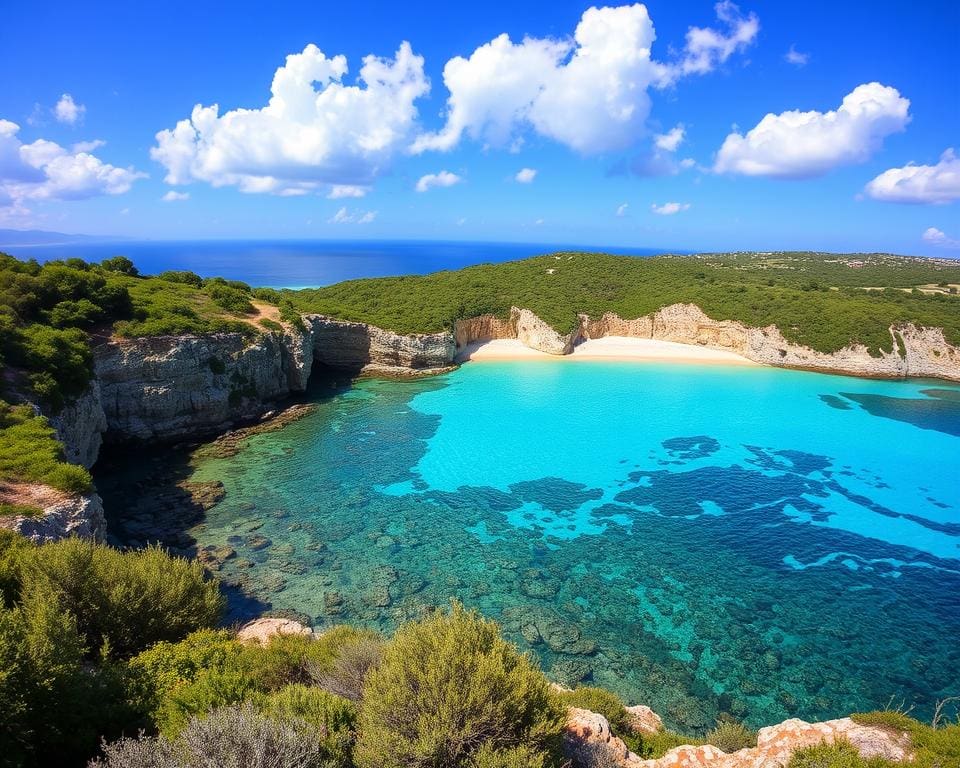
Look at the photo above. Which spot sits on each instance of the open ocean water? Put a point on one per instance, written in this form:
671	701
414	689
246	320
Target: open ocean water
302	263
703	539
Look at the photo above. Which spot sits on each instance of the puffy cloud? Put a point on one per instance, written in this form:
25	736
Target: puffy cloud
589	92
314	132
68	111
173	196
668	209
526	175
795	57
706	48
939	238
338	191
43	170
938	183
670	140
622	210
344	216
797	145
442	179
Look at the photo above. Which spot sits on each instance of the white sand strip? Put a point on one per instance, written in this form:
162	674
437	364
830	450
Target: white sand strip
606	348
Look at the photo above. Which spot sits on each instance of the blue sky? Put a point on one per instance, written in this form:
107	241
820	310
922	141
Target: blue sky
639	125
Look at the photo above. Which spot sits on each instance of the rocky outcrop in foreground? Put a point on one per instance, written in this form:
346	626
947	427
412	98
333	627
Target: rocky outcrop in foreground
589	741
78	516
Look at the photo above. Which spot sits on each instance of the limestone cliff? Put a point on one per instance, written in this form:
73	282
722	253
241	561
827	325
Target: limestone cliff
365	348
78	516
522	324
915	351
80	426
182	386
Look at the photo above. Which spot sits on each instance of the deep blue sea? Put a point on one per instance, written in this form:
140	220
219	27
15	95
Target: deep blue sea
303	263
703	539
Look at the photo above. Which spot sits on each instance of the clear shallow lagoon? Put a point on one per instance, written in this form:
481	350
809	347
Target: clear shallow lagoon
761	542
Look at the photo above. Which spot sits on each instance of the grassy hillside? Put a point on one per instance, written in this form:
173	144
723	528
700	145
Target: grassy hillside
48	312
821	300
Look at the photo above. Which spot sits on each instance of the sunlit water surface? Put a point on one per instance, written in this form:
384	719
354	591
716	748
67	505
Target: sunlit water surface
759	542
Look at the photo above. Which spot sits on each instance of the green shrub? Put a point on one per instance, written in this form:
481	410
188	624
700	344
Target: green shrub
12	547
181	276
230	298
332	716
211	689
346	675
120	264
651	746
270	325
123	601
489	756
837	755
53	708
935	747
29	452
598	700
447	686
19	510
230	737
731	736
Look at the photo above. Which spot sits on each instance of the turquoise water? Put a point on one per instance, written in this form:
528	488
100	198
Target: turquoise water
713	539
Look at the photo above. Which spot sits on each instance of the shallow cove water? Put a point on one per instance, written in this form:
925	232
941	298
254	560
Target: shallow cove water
702	539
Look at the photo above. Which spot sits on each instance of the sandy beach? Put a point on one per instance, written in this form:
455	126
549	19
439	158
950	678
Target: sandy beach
606	348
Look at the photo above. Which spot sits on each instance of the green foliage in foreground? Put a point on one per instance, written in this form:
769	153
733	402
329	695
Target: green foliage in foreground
446	686
30	452
96	645
815	299
71	613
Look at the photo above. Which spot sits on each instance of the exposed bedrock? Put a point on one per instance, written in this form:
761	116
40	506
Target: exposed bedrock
170	387
362	347
78	516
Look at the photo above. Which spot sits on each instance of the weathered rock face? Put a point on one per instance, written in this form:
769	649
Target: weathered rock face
589	742
915	351
178	386
80	516
483	328
80	426
363	347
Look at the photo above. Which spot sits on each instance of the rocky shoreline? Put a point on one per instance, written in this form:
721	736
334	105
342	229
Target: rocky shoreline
175	388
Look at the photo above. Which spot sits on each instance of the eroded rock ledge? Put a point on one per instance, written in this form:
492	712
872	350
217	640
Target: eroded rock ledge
589	741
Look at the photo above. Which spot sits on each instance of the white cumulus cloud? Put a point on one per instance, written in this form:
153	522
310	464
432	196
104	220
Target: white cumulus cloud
588	92
68	111
622	209
797	145
338	191
795	57
315	131
939	238
173	196
526	175
938	183
345	216
43	170
668	209
670	140
706	47
442	179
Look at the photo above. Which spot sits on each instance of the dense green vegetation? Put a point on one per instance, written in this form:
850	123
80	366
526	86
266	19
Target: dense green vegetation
117	655
815	299
29	452
47	313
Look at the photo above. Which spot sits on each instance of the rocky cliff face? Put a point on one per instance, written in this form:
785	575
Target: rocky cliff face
915	351
80	427
365	348
522	324
182	386
80	516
